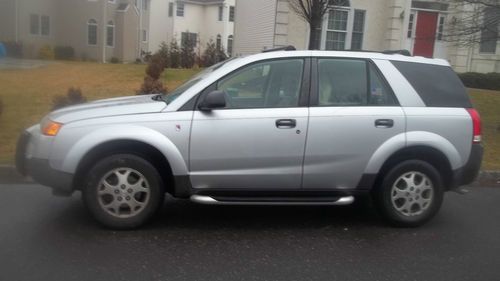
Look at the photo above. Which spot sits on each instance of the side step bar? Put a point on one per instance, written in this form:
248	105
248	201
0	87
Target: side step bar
207	200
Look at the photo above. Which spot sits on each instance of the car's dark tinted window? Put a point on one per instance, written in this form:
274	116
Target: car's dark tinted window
437	85
351	82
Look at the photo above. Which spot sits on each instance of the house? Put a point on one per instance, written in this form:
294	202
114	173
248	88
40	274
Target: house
417	26
96	29
199	20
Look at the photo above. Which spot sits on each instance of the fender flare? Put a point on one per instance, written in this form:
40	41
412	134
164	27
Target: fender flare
125	132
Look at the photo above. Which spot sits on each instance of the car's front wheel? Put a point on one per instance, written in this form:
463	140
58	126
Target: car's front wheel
123	191
410	194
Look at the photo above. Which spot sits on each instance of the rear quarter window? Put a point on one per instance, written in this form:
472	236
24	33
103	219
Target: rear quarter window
437	85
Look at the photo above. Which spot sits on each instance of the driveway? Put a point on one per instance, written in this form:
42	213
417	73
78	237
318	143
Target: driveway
49	238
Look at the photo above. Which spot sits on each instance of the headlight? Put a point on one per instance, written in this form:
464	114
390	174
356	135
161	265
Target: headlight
50	128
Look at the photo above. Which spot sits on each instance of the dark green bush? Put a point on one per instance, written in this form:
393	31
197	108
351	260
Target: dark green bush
174	55
152	83
163	53
212	55
72	97
64	53
489	81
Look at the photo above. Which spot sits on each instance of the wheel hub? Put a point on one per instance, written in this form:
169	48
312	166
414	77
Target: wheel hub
412	193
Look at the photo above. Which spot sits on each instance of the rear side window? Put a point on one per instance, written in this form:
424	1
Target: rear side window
351	82
437	85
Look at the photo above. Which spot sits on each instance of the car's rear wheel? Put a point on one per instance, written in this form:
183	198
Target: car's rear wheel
123	191
410	194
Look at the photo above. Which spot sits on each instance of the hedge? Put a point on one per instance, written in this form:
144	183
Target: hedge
489	81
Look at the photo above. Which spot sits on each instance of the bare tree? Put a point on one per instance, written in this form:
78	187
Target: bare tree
312	11
473	21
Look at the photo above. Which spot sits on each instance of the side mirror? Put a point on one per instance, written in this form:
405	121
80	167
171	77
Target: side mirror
213	100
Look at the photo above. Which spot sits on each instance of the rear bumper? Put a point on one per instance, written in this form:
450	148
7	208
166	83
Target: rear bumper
39	169
469	172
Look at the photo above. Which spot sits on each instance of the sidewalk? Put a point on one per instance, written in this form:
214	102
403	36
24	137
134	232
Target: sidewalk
9	175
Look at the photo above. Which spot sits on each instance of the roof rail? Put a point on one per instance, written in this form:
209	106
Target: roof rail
397	52
285	48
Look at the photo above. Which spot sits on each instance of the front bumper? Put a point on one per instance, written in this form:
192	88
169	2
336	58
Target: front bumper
40	169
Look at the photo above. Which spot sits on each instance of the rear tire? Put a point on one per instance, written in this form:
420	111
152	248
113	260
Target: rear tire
410	194
123	191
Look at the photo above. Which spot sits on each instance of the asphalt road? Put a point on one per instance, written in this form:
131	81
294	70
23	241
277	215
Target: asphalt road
51	238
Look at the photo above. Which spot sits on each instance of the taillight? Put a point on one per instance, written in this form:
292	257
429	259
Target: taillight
476	125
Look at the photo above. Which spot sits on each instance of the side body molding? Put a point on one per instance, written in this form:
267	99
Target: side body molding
125	132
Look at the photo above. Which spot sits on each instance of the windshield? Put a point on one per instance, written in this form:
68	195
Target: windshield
170	97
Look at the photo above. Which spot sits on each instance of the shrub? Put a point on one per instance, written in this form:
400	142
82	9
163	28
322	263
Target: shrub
187	54
163	53
114	60
212	55
46	53
64	53
14	49
72	97
174	55
152	83
489	81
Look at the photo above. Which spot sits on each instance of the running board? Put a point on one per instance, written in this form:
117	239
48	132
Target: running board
208	200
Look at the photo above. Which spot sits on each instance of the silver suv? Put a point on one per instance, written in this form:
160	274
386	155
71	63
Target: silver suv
282	127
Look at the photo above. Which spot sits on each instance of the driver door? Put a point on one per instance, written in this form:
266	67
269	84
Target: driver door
257	141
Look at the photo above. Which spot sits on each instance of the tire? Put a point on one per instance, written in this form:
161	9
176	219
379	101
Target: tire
410	194
123	191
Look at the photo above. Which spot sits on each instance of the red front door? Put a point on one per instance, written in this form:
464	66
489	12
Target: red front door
425	34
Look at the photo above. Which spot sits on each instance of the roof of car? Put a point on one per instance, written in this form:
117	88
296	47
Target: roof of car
348	54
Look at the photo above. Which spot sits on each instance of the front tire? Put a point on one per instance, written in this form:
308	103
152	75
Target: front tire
410	194
123	191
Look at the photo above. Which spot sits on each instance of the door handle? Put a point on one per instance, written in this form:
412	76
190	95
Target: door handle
384	123
286	123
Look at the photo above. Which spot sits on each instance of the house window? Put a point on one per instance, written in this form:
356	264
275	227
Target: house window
411	23
357	30
230	45
45	24
144	35
189	38
92	32
231	13
34	24
340	3
110	34
489	32
221	12
180	9
336	30
440	28
170	9
218	42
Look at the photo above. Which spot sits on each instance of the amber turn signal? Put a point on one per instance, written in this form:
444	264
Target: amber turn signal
51	128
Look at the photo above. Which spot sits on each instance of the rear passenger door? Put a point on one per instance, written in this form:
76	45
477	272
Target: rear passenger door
353	112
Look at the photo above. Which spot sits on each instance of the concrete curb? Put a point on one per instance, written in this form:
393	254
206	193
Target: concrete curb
9	175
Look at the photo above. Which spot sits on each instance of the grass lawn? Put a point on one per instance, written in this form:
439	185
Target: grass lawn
27	97
27	94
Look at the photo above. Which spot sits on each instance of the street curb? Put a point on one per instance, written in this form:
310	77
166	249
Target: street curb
9	175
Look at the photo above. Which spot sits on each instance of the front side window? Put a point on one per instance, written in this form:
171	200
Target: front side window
336	30
180	9
34	24
92	32
350	82
270	84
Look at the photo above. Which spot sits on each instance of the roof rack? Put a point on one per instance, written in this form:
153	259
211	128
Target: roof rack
397	52
285	48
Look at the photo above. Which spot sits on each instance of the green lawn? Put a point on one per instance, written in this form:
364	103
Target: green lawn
27	97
